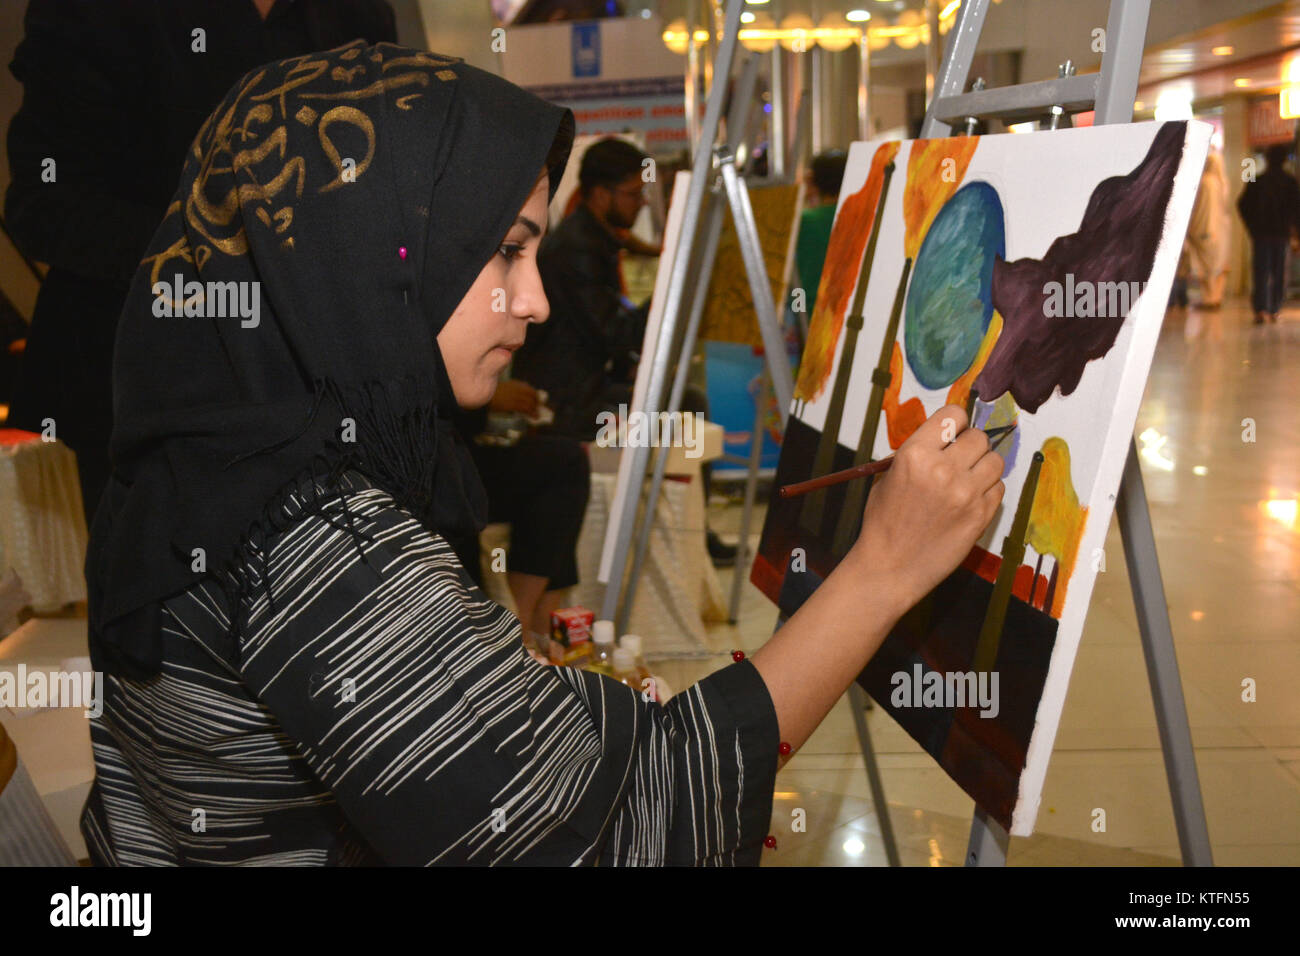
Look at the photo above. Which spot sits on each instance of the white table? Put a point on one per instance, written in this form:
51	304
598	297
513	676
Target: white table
42	523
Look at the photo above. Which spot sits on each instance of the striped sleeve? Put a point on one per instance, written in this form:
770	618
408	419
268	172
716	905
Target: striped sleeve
704	770
410	696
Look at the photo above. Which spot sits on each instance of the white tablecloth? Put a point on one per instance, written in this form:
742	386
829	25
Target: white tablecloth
42	525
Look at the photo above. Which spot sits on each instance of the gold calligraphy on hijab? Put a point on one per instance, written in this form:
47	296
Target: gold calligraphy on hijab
244	158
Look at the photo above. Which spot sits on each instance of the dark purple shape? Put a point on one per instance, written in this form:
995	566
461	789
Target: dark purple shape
1116	242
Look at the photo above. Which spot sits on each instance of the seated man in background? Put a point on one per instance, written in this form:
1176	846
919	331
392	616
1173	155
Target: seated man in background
585	356
539	485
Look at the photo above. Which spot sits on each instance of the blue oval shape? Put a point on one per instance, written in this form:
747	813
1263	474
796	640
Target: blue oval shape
950	298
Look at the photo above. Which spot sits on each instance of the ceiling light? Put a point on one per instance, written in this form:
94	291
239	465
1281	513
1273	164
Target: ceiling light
1222	51
1174	103
761	34
835	34
797	33
1288	103
857	16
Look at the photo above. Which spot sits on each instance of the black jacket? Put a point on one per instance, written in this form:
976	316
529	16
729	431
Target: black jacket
592	337
1270	206
114	93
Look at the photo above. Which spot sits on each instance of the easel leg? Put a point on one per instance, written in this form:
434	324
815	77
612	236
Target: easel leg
701	166
988	841
751	483
858	704
1162	664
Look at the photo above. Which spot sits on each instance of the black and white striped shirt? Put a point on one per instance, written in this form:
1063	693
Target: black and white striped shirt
381	709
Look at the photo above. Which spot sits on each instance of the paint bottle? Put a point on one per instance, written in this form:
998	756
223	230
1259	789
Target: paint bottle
625	668
602	650
632	642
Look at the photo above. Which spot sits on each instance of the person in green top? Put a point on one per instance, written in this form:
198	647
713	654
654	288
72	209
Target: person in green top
822	189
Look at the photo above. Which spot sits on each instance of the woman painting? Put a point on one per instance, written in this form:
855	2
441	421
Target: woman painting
299	669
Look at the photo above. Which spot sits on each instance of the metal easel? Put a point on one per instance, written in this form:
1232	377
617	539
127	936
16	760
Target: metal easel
1111	92
616	605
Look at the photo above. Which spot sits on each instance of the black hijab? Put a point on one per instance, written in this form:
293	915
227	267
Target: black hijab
364	189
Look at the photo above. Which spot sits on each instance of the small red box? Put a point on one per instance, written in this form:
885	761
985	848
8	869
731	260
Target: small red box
571	629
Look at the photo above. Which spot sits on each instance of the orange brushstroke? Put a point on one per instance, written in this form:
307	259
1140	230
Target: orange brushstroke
848	240
960	389
983	563
1057	520
906	418
987	565
931	181
1024	580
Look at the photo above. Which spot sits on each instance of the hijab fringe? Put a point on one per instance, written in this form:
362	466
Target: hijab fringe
394	443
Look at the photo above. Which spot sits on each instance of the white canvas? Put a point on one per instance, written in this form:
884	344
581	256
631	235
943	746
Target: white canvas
1043	183
641	386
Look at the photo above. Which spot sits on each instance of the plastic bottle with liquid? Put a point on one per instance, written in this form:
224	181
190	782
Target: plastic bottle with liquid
602	648
632	642
625	668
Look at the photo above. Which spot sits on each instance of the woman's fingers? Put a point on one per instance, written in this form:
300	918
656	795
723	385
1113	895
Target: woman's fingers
991	499
941	428
924	515
988	470
969	447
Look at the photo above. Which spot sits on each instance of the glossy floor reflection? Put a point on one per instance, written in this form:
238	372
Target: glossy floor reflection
1221	462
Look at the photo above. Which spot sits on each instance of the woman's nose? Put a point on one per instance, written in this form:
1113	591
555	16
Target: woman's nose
530	299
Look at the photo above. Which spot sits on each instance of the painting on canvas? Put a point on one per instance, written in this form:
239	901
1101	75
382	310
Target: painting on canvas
729	307
1023	278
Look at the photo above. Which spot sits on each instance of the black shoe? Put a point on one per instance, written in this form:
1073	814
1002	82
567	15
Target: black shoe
723	555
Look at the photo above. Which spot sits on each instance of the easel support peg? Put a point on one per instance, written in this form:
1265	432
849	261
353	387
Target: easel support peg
1062	71
973	121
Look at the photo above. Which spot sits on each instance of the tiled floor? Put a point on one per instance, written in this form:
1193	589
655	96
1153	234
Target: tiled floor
1225	515
1228	534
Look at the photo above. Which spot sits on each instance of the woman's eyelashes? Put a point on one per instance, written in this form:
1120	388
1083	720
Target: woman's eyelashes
510	251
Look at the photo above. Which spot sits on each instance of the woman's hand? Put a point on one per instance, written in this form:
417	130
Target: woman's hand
512	395
922	517
925	513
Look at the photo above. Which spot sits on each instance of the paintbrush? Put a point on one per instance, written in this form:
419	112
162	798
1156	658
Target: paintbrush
996	435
